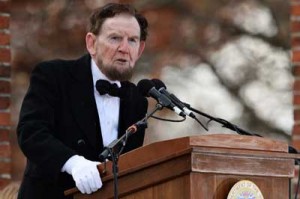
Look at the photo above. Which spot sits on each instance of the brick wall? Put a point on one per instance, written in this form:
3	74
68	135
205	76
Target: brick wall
295	45
295	61
5	90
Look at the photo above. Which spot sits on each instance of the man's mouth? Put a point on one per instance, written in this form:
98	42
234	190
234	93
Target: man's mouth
121	60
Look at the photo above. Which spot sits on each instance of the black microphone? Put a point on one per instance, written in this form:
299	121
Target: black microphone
147	88
159	85
162	88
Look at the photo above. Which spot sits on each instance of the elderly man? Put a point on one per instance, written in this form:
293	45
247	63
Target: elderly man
68	116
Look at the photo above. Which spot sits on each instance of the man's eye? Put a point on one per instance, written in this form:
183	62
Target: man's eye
133	41
115	38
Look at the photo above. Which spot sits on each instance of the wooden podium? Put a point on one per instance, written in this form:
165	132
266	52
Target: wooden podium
202	167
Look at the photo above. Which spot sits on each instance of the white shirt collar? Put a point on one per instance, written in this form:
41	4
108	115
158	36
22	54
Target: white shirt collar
97	74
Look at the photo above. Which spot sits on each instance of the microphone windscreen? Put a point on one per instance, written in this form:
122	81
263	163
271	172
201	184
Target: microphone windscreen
144	86
158	84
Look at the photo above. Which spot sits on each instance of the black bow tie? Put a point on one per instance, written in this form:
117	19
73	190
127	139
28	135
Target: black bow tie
105	87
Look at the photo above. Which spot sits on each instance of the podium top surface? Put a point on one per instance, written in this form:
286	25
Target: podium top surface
225	141
233	141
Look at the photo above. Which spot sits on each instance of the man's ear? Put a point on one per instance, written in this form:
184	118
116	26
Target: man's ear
90	40
141	48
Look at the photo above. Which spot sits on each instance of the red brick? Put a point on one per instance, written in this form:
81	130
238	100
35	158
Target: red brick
296	99
4	39
296	70
5	71
4	135
4	103
4	22
5	152
4	182
5	119
295	56
297	86
296	115
296	143
5	167
295	41
296	130
295	10
5	55
295	26
5	6
4	86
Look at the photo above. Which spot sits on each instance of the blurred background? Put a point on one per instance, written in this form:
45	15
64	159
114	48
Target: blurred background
227	58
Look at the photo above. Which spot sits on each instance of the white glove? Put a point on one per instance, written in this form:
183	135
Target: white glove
84	173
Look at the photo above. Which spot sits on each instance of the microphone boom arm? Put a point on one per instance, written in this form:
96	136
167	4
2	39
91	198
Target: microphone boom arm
223	122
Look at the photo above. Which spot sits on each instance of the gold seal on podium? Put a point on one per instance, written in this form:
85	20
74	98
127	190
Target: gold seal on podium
245	189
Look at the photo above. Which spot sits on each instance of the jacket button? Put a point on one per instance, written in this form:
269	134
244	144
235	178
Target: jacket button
80	142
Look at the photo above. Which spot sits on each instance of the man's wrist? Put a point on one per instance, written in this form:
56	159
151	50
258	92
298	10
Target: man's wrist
69	164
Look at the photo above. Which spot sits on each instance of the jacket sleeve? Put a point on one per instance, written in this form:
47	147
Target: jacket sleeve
37	135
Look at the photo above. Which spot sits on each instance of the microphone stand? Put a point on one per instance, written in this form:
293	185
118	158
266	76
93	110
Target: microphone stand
115	148
223	122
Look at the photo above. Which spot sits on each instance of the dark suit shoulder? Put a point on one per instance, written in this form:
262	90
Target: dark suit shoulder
59	65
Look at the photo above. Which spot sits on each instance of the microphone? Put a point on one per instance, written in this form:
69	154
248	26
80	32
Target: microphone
162	88
147	88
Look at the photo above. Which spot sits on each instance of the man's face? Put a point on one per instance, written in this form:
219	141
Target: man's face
117	47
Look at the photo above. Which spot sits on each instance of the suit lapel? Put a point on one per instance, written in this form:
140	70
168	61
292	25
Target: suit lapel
83	101
126	109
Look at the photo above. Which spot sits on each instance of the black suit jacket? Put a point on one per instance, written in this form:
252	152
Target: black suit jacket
59	119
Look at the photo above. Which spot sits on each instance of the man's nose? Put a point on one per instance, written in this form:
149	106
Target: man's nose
124	46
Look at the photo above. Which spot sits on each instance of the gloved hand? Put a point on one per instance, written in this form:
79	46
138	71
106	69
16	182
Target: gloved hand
84	173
